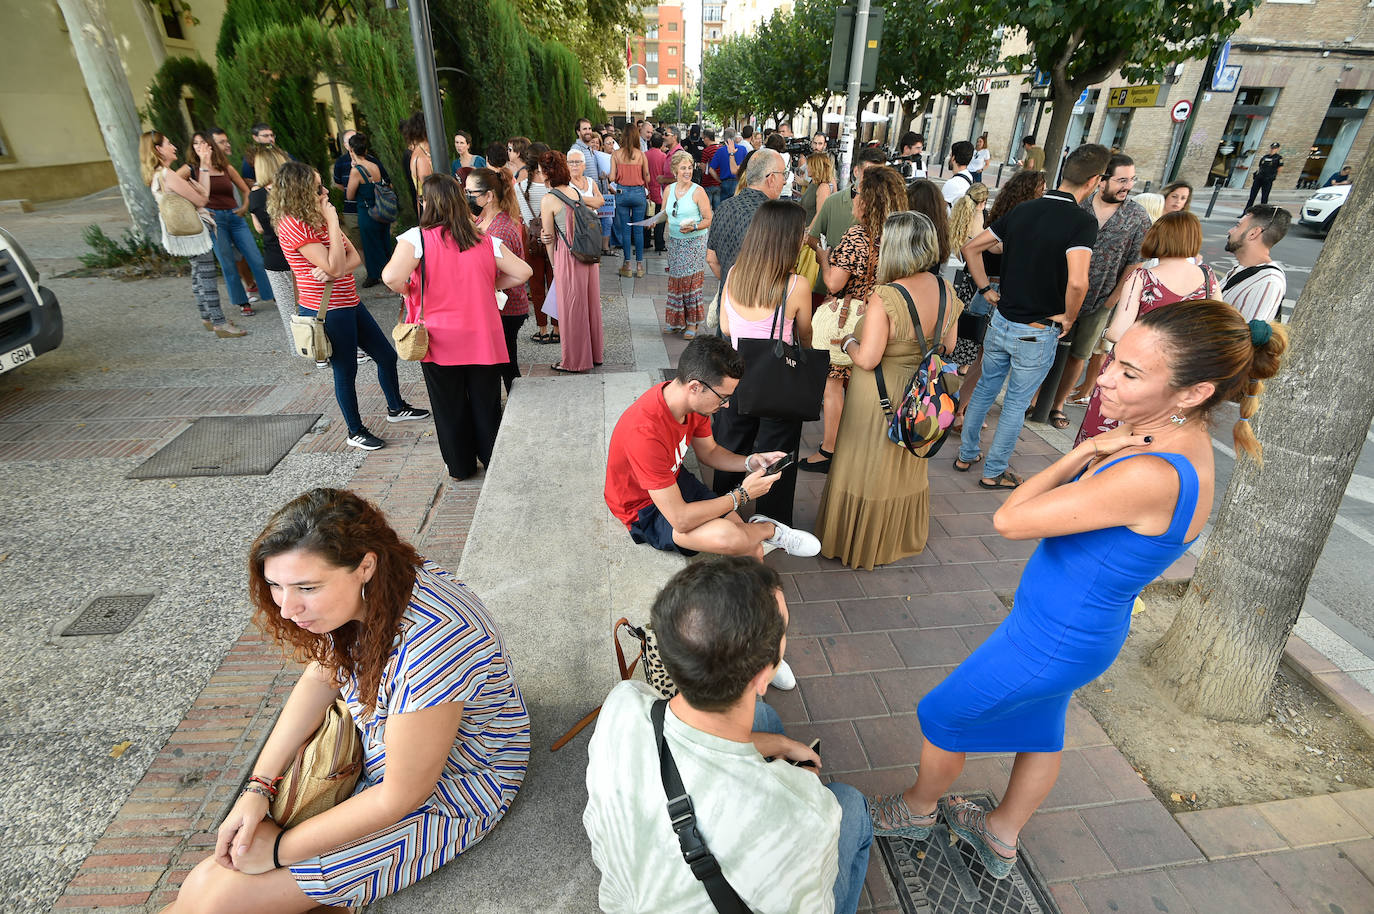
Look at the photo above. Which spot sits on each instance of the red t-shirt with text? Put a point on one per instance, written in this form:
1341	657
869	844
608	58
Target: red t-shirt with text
646	452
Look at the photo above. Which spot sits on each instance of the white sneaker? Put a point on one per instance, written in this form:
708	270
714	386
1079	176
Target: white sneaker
789	540
784	680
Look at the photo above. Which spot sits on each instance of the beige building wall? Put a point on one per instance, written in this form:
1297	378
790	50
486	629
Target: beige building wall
52	143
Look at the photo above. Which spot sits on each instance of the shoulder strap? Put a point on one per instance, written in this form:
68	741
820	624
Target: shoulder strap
324	301
1245	274
682	815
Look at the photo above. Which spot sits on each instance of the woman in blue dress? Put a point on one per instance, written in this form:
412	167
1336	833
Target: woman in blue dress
1113	513
428	682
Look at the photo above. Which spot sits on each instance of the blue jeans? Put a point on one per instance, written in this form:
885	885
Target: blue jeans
351	329
713	194
231	231
727	187
1019	355
856	826
630	204
977	177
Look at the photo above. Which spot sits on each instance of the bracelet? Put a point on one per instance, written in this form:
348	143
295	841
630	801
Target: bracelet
1096	453
269	784
985	289
734	501
747	467
260	791
276	846
844	343
744	496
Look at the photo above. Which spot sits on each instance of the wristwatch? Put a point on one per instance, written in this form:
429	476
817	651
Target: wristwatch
985	289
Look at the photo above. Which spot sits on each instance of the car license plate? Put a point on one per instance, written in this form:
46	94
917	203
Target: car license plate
15	357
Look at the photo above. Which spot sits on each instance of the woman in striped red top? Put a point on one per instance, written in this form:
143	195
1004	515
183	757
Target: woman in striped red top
320	256
428	683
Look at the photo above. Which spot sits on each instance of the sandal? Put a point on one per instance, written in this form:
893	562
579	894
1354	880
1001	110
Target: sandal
541	336
967	464
558	366
968	820
818	466
246	310
554	339
1081	401
901	820
1008	480
1058	419
689	334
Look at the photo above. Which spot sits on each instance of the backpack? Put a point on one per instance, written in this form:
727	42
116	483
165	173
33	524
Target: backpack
384	206
921	421
586	240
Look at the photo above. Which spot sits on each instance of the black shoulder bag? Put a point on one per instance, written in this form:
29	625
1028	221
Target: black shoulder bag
684	820
781	380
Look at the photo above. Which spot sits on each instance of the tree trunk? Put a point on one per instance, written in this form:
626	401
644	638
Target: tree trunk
1064	94
1220	654
108	85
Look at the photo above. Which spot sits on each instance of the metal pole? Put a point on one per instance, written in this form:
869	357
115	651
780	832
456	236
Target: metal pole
1202	85
429	86
851	101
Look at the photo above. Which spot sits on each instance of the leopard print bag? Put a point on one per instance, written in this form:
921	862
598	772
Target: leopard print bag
649	661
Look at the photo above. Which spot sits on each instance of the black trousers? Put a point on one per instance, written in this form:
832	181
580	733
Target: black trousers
511	325
1260	187
748	435
466	403
660	241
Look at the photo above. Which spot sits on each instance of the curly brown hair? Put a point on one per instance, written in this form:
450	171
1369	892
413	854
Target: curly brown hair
295	192
341	528
1023	186
882	193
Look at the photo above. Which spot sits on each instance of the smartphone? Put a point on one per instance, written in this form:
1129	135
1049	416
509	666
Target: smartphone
777	466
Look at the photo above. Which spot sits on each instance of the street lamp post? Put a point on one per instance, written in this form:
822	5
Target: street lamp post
629	71
421	37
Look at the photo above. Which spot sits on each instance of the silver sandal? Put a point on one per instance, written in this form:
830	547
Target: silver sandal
968	820
893	809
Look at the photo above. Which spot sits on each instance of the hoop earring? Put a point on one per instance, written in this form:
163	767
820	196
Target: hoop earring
1178	420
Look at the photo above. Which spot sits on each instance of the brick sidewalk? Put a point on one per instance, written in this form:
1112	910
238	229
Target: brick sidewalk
866	646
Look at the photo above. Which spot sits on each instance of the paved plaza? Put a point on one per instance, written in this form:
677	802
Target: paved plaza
123	754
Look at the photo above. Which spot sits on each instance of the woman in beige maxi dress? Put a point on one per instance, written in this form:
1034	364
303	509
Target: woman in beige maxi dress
876	505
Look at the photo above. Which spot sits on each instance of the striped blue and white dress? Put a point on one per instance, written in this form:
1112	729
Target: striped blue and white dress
448	650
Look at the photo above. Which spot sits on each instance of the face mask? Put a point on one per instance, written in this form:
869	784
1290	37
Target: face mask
473	204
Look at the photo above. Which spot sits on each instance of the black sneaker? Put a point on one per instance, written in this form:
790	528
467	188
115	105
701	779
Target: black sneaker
406	414
366	440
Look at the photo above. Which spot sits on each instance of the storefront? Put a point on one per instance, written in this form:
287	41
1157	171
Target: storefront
1240	140
1334	138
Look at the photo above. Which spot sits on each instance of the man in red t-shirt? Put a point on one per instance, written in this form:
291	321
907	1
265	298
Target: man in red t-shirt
664	505
709	182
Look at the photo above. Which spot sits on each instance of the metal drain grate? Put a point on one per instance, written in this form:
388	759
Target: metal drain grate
935	877
227	446
108	615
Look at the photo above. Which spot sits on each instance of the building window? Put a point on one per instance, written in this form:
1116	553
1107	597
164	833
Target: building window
651	96
672	26
713	14
652	34
672	74
171	20
672	50
715	33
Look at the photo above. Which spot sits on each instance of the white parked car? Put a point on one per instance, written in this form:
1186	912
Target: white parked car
1321	208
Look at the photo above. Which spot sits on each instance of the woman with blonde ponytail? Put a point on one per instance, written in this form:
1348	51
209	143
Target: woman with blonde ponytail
1111	515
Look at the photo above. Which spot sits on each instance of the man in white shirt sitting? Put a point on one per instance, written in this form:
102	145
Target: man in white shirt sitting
783	840
1257	285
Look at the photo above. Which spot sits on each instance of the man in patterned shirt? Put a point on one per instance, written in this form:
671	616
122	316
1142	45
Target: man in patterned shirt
766	174
1121	227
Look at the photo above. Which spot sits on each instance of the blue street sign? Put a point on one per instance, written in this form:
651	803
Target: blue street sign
1041	78
1082	99
1218	74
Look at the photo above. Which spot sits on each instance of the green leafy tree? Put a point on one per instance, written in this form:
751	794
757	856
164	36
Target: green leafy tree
727	79
931	49
1078	42
667	111
594	30
175	76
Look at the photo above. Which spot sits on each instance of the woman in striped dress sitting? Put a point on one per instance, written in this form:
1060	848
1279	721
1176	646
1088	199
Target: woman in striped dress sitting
418	659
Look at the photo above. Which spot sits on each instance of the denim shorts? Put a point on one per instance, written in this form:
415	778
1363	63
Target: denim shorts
650	526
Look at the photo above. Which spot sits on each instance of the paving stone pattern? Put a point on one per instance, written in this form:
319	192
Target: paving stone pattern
866	646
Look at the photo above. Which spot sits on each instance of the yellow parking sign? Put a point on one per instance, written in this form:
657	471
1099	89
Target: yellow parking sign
1133	96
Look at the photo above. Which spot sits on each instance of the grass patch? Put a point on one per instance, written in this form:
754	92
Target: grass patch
131	257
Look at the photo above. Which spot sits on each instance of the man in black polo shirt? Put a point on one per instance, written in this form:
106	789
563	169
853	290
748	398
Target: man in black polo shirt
1267	170
1047	245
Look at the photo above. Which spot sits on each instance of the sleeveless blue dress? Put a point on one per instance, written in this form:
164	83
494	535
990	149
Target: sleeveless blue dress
1069	621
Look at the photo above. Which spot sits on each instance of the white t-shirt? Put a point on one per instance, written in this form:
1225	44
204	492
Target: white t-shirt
760	819
1259	295
980	160
416	240
956	186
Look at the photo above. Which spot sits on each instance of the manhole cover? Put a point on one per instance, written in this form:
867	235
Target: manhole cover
227	446
935	877
108	615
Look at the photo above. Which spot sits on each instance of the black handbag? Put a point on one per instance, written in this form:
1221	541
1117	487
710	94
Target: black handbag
781	380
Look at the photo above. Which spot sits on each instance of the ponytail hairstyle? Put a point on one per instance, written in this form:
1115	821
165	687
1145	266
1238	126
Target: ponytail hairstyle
498	181
1208	341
